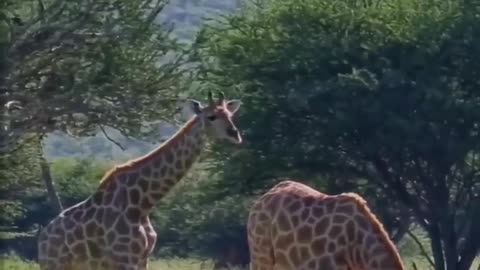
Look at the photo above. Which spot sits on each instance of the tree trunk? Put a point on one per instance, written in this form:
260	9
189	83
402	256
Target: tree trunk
437	249
401	231
47	178
471	247
450	243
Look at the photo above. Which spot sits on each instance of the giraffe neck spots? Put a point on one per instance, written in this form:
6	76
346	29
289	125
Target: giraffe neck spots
143	183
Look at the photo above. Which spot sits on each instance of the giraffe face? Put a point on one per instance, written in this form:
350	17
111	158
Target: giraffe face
217	116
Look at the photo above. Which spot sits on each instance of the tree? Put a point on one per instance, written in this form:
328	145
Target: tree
76	67
19	174
385	92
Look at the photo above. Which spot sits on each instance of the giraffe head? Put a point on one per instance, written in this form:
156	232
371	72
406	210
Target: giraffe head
217	116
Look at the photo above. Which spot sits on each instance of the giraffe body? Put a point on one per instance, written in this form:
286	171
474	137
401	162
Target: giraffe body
294	227
111	229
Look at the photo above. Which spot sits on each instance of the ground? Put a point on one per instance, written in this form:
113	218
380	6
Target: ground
408	250
15	263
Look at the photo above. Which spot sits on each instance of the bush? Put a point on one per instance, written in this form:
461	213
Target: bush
195	220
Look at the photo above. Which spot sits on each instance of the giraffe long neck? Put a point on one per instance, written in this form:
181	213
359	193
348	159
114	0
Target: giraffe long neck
378	250
146	180
378	254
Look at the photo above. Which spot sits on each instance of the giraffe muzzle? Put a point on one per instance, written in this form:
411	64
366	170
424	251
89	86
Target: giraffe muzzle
233	132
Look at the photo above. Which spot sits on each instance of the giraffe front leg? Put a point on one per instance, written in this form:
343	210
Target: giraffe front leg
143	264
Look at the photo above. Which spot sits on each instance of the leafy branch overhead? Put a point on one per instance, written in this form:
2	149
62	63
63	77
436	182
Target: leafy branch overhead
76	65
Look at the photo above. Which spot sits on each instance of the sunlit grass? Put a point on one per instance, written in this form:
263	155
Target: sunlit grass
12	262
15	263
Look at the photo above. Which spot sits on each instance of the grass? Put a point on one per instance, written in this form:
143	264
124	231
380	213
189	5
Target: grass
407	247
12	262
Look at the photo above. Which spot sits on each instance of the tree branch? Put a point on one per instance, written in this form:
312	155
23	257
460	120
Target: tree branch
109	138
421	247
400	191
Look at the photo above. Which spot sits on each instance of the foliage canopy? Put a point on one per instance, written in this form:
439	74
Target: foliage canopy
384	91
75	66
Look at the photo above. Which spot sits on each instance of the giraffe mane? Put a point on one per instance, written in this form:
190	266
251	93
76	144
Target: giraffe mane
108	176
377	226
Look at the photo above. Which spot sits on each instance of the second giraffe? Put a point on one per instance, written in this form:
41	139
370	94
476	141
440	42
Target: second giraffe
294	227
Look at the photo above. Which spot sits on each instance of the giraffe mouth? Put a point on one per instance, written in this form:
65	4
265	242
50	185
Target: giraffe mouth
234	136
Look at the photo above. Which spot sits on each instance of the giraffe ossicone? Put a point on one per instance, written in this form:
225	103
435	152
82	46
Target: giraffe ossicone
111	228
294	227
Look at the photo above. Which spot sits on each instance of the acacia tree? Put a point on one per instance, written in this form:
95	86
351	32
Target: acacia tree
18	179
385	92
77	66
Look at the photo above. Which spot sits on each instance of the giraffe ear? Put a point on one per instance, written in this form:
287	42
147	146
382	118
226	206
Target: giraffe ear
191	107
233	105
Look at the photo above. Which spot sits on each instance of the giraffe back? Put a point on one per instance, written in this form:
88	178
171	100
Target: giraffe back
293	226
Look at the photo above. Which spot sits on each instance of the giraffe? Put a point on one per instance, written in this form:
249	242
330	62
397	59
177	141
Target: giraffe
293	226
111	228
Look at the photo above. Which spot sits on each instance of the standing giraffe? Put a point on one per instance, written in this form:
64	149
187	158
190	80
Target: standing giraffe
294	227
111	229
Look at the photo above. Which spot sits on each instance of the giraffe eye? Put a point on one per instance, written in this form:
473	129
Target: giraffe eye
212	117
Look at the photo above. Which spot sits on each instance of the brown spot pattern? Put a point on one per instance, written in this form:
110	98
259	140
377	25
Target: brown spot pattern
322	226
294	255
325	263
94	250
318	212
122	226
132	178
109	217
134	196
133	214
305	214
304	234
284	241
143	184
294	207
146	171
346	209
97	198
169	157
319	246
350	228
361	222
99	214
283	222
91	229
339	219
335	231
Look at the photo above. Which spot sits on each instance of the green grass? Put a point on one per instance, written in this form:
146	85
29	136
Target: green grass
16	263
12	262
407	247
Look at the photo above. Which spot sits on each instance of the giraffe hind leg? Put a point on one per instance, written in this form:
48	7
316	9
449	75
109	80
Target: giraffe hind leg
260	245
62	260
